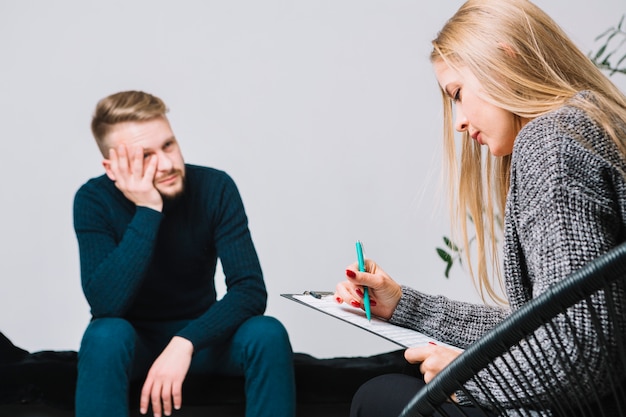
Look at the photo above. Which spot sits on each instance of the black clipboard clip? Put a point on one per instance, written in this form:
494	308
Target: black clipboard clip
318	294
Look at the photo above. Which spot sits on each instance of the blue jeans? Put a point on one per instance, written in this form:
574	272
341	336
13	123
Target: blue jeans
114	352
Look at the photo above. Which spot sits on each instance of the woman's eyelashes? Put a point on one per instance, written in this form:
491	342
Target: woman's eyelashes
456	95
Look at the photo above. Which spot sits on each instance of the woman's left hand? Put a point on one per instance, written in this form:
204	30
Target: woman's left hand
433	359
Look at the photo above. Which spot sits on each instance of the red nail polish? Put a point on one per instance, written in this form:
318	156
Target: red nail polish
355	303
359	291
350	273
339	300
432	343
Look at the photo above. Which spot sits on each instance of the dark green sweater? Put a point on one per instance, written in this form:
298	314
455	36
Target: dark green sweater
139	264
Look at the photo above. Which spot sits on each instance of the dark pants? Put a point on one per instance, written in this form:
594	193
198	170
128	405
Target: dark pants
114	351
387	395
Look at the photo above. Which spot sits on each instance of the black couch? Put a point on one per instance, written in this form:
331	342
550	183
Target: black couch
41	384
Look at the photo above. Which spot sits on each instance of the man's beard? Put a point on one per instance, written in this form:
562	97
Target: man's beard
168	199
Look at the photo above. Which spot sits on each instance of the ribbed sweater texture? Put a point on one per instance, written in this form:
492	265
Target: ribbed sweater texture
140	264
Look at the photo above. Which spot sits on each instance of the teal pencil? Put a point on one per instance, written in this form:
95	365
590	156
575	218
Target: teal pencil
366	295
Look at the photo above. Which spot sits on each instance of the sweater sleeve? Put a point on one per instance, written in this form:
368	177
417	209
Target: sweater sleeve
112	266
246	295
454	322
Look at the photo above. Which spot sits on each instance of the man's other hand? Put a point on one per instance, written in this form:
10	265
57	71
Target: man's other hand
163	387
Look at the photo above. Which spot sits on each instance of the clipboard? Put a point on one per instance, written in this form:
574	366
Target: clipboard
323	302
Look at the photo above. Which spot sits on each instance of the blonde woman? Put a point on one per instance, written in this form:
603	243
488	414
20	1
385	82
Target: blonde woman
543	148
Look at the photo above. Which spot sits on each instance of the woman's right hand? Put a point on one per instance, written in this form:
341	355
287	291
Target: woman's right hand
384	292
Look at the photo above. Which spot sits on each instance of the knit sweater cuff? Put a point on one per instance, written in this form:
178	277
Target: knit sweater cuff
407	306
146	222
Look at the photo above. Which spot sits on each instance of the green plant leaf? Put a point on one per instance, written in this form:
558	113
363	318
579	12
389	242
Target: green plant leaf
444	255
600	52
613	41
447	271
450	244
603	34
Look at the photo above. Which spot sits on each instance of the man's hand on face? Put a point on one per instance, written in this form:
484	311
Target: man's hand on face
163	388
134	176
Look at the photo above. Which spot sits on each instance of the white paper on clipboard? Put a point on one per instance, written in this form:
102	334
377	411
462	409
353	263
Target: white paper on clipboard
399	335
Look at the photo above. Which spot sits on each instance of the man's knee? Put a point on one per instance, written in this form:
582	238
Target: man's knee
269	327
108	337
266	331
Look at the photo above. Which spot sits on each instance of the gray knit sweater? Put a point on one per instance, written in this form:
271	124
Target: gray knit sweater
566	206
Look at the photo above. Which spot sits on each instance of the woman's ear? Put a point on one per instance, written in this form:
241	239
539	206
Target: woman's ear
107	168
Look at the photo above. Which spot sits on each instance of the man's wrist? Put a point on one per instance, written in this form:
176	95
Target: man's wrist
182	344
155	207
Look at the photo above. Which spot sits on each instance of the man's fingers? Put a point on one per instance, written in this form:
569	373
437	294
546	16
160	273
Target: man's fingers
113	161
122	159
177	395
150	167
144	401
155	396
137	162
166	397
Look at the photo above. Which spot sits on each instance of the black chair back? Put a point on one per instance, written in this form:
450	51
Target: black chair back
574	334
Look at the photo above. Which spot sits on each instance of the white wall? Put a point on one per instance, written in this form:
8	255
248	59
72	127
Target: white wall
325	112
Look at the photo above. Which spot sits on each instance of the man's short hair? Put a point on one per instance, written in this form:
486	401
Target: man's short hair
125	106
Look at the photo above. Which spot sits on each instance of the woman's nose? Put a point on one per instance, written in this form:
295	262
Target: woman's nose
460	123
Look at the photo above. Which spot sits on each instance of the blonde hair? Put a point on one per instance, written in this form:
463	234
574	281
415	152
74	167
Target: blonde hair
125	106
528	66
